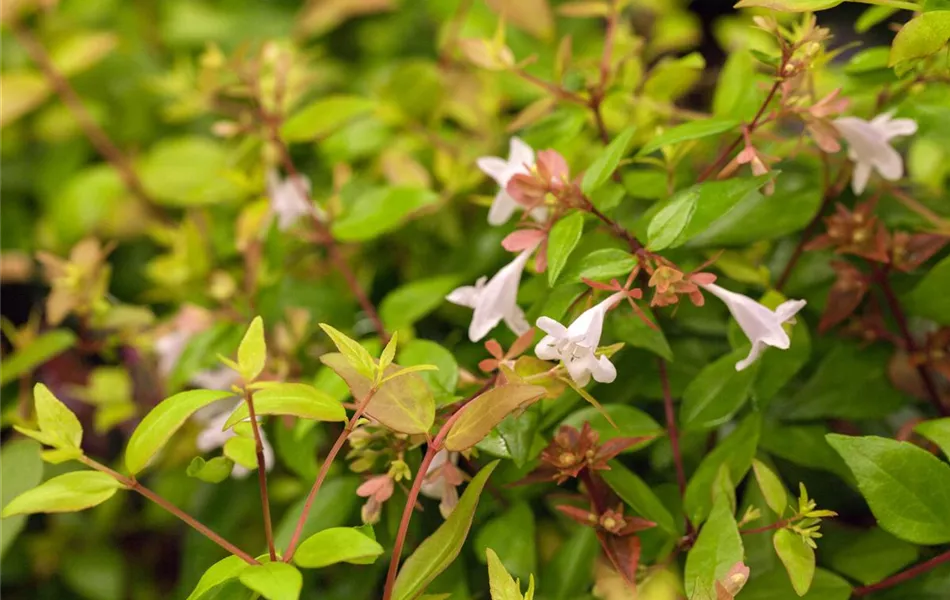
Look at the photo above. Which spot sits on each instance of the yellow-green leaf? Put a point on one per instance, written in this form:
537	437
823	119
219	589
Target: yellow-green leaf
439	550
353	351
66	493
922	36
220	572
252	353
297	399
162	422
334	545
241	450
322	117
484	412
273	581
772	488
404	404
501	584
798	558
55	420
22	92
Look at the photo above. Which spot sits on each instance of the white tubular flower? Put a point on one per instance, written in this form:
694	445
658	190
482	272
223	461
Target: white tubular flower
520	160
287	201
761	325
212	436
576	344
495	299
441	481
869	146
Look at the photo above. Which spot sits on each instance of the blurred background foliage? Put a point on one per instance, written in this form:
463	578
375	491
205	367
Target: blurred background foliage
387	119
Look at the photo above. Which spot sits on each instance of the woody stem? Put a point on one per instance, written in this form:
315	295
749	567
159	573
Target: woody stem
261	473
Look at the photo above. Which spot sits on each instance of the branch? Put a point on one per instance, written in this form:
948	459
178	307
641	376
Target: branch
261	474
133	484
99	139
903	576
880	274
324	469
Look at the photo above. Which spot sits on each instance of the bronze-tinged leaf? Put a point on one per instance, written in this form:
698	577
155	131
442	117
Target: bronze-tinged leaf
845	295
484	412
403	404
532	16
911	251
624	554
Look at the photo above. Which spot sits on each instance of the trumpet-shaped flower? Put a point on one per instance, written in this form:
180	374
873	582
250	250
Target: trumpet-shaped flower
576	344
520	160
288	198
869	146
441	481
761	325
495	299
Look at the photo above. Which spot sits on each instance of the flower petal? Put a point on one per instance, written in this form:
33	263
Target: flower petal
787	310
520	154
494	167
860	177
502	207
547	348
579	369
603	370
467	295
551	327
754	353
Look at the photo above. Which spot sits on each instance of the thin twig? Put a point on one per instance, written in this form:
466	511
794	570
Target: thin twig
324	469
99	139
881	276
671	428
133	484
903	575
261	473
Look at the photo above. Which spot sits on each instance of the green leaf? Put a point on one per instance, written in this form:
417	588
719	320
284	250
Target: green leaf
59	427
335	504
639	496
242	450
512	535
189	171
22	470
387	356
380	211
358	357
487	410
775	369
571	569
334	545
604	165
22	92
321	118
562	240
772	487
922	36
803	445
215	470
870	556
500	583
77	52
627	422
790	5
220	572
850	383
73	491
668	225
403	404
408	303
774	585
717	549
297	399
273	581
736	94
693	130
438	550
425	352
46	346
154	431
907	488
736	452
716	393
252	353
929	299
600	265
798	558
938	432
519	433
632	330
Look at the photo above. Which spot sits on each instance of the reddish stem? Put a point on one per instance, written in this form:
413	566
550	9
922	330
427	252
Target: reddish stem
324	469
134	485
903	576
671	428
261	474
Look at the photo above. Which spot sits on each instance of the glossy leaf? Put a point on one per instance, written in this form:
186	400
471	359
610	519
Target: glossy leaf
627	422
922	36
562	240
273	580
407	304
638	495
500	583
354	352
322	117
215	470
334	545
154	431
438	550
220	572
380	211
603	167
716	393
252	352
73	491
403	404
938	432
487	410
717	549
772	487
693	130
296	399
907	488
58	426
511	538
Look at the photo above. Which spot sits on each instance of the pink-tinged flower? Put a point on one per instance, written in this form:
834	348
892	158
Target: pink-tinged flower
214	435
495	299
869	146
520	160
441	481
289	198
376	490
761	325
576	345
